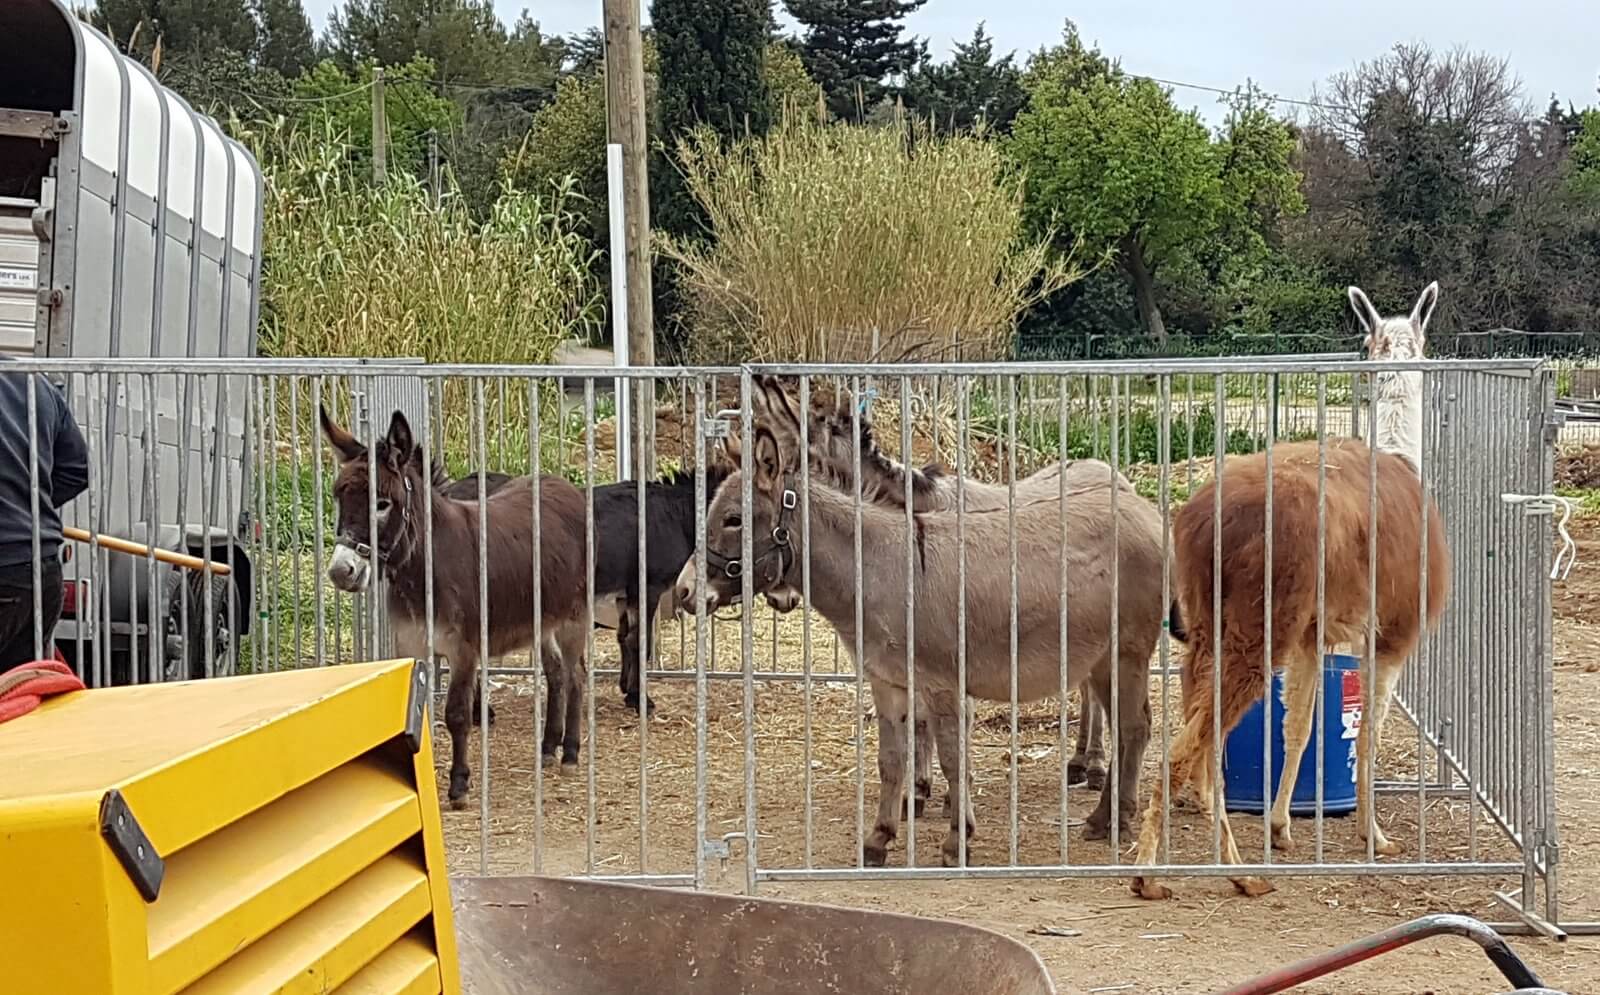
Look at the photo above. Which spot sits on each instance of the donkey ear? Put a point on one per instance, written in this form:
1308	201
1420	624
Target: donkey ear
1424	307
775	400
345	446
399	439
769	462
1365	312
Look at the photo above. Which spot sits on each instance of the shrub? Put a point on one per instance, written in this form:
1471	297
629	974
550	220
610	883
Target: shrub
833	242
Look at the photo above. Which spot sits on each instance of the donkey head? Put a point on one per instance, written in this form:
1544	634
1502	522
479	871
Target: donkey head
1395	338
774	504
831	421
395	475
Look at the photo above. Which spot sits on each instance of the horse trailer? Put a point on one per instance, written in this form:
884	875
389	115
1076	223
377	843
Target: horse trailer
130	228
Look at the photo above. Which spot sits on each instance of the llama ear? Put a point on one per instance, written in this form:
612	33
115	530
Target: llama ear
1365	312
1424	307
769	462
345	446
399	440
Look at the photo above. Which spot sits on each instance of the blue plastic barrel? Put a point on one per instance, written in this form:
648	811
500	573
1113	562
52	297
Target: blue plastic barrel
1340	719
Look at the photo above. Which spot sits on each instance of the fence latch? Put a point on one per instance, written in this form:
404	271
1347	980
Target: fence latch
715	428
1546	504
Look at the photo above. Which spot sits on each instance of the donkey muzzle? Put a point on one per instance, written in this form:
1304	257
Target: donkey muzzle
348	570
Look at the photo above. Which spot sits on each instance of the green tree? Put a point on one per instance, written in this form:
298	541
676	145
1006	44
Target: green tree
973	86
463	38
1110	158
284	41
339	102
851	47
790	89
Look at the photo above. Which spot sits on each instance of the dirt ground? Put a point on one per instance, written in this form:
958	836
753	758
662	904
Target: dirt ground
805	745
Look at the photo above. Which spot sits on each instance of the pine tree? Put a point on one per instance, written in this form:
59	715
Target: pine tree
852	47
712	54
973	86
185	27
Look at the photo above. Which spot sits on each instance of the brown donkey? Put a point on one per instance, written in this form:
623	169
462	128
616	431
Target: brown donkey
397	539
777	550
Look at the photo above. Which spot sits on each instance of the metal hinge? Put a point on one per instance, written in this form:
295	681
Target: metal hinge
1554	422
715	428
133	848
417	705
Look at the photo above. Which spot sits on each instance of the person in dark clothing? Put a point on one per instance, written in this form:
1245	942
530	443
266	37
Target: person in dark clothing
63	468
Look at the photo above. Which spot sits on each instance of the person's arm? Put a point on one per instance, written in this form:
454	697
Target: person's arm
69	473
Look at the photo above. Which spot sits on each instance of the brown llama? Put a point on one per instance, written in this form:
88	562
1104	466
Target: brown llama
396	541
1347	594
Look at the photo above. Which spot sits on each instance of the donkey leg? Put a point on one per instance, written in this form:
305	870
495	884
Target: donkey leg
647	655
1367	741
922	763
1088	763
574	645
891	705
1300	679
947	711
1132	737
627	645
458	719
555	700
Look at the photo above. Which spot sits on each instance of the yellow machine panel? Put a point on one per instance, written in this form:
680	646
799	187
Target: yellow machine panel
270	833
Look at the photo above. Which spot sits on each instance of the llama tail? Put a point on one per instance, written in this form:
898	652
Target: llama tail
1175	623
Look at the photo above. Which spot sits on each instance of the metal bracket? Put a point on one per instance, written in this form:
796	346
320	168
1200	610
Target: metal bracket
715	428
417	705
1554	422
133	848
41	125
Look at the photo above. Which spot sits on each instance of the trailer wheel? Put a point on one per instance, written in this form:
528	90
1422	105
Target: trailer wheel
218	621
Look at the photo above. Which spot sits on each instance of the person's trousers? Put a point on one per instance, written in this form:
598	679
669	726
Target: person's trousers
16	612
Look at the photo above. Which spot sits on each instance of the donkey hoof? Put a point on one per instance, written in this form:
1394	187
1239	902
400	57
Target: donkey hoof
1253	887
1094	778
569	762
631	701
1077	773
874	856
1151	890
1096	827
548	758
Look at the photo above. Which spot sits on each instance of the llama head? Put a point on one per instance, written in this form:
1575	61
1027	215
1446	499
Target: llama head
1395	338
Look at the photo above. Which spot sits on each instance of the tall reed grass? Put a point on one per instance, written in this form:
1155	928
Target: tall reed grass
835	242
354	269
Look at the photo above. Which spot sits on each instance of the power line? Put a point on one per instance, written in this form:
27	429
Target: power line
291	99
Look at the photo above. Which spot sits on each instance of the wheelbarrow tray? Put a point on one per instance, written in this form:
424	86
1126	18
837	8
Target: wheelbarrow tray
559	936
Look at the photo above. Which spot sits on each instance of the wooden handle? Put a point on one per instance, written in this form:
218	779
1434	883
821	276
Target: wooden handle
139	549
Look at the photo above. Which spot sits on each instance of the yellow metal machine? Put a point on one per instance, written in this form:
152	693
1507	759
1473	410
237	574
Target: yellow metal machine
250	834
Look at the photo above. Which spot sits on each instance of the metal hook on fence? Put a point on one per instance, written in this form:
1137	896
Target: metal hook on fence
1546	504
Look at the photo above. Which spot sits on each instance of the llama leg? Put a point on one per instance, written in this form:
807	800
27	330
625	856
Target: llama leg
1088	763
1184	753
891	705
458	719
948	711
1367	742
1300	680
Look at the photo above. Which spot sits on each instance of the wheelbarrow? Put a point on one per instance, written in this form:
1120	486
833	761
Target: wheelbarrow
555	936
1521	977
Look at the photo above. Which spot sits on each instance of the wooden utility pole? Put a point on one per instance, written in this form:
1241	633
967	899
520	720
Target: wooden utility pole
625	125
380	130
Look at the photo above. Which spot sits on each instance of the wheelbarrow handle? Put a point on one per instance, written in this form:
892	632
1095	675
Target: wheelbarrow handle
139	549
1495	946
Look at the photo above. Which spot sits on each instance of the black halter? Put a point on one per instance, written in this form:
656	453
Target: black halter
389	556
733	568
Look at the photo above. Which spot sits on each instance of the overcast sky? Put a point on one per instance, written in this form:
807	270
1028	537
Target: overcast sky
1284	47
